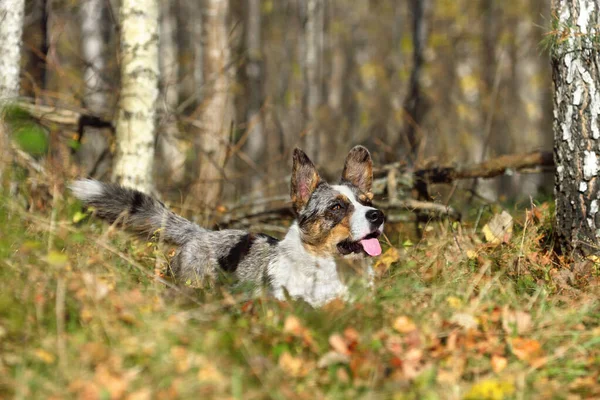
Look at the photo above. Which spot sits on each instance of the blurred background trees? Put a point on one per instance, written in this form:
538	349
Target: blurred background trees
240	83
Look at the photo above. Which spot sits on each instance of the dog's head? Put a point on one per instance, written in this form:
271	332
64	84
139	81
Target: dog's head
337	219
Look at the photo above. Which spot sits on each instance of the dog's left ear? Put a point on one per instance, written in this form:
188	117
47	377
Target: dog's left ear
358	169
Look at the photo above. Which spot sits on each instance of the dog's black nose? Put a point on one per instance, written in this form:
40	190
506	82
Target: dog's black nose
375	217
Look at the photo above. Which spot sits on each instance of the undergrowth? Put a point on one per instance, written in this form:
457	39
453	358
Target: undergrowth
87	312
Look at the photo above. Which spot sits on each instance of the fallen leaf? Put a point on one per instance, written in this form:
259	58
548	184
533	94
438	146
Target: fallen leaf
498	363
332	358
464	320
499	229
291	365
403	324
293	326
384	261
57	259
208	373
339	344
454	302
490	389
44	356
515	322
525	349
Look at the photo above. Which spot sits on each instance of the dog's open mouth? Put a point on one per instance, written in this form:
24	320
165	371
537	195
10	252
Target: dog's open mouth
369	244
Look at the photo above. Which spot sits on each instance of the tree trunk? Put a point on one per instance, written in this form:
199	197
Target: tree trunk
94	36
576	74
139	92
312	73
414	105
172	157
11	28
217	110
254	119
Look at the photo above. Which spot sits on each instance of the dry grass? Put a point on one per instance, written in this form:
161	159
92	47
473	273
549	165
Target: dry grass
86	313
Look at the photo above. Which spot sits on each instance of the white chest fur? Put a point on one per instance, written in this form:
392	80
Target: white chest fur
302	274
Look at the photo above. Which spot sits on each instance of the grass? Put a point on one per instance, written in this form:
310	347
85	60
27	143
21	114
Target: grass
86	313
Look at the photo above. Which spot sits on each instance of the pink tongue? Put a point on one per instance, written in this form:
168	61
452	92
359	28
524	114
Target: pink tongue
371	246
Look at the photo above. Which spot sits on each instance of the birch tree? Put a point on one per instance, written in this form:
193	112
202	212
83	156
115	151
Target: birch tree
217	111
576	74
256	135
94	36
172	156
11	30
312	72
139	91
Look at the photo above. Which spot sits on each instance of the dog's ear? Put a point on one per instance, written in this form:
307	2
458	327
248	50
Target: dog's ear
305	179
358	169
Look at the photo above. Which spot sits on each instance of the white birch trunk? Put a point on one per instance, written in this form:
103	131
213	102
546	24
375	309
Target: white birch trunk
139	92
11	30
170	151
217	109
576	74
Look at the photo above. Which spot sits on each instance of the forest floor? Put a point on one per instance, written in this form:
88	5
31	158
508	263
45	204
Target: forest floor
86	312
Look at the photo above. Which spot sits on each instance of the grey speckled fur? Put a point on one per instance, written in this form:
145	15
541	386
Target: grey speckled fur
333	222
199	251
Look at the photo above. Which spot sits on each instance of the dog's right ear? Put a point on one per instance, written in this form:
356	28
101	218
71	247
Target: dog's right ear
305	180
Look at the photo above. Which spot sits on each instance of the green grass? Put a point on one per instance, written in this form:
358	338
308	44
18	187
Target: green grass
85	311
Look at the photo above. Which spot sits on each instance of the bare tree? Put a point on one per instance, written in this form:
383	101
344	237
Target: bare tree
576	74
11	28
312	72
254	74
139	92
93	153
217	111
172	157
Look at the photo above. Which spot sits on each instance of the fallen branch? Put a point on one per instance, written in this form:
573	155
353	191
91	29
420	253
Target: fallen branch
68	118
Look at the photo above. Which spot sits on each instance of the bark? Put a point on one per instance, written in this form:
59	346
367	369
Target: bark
135	126
94	36
414	104
256	144
11	28
217	112
576	75
312	73
172	157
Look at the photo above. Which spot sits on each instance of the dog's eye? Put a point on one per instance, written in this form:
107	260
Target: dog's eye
336	207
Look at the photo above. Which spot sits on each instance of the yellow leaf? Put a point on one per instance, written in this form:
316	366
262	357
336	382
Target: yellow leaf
454	302
79	216
390	256
44	356
403	324
57	259
499	229
490	389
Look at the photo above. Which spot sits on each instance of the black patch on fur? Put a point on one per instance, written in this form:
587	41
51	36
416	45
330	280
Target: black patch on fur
270	239
230	262
136	202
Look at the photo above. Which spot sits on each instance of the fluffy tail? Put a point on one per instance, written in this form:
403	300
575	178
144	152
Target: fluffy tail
134	210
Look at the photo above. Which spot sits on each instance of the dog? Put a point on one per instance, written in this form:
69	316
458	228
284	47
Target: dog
332	222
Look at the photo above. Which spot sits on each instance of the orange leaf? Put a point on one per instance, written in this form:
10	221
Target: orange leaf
403	324
525	349
498	363
337	342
